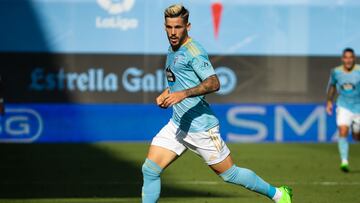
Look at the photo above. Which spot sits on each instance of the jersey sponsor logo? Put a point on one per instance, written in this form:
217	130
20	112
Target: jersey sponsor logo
348	87
20	125
115	20
170	76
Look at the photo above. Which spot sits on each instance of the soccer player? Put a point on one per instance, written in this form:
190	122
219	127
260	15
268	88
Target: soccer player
193	125
345	81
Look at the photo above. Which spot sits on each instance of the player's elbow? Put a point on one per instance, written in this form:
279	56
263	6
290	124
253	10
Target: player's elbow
216	85
212	84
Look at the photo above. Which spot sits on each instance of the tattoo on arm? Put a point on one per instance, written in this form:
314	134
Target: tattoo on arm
209	85
331	93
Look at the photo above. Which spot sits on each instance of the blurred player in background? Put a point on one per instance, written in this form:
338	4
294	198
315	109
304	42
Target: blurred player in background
2	106
345	82
193	125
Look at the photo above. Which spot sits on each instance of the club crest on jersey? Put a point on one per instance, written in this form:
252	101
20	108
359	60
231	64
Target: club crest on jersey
170	76
177	59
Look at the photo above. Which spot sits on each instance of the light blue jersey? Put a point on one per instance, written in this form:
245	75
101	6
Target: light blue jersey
348	87
186	68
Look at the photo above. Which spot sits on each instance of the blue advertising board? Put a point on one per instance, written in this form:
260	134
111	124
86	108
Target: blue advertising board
29	123
256	27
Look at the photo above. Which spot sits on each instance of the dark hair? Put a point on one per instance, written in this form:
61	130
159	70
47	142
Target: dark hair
348	49
177	10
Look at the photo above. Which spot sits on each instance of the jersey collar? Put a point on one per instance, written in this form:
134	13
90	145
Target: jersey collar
188	40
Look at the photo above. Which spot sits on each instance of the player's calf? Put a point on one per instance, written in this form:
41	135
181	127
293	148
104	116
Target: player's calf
251	181
152	184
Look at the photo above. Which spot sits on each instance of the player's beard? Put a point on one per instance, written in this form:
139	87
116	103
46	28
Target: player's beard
181	41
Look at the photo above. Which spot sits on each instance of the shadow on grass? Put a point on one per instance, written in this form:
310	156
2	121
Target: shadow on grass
356	171
73	170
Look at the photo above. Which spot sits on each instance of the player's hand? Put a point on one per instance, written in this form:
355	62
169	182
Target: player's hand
173	98
161	98
329	108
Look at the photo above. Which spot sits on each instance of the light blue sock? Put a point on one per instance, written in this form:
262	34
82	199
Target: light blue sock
248	179
343	145
152	184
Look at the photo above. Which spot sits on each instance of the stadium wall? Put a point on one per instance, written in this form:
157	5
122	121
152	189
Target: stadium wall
87	71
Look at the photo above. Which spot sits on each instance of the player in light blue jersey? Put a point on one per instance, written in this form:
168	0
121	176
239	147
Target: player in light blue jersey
345	82
193	125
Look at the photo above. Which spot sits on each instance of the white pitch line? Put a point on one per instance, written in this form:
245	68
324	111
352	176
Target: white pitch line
322	183
196	182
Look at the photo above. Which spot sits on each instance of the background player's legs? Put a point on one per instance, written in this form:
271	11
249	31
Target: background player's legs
356	135
356	129
157	160
343	144
246	178
344	119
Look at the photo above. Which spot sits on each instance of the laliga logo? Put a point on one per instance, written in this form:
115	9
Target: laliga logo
116	21
116	7
20	125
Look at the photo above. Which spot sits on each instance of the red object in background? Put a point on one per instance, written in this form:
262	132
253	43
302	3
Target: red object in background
216	9
2	109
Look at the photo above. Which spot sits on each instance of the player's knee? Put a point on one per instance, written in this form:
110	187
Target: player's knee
150	169
343	131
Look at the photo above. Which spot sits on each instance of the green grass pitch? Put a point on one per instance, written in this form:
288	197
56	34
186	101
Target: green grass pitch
111	172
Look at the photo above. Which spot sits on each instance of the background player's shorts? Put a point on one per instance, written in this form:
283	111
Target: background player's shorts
209	145
345	117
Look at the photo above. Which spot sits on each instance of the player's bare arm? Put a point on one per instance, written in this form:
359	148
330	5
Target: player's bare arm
330	98
209	85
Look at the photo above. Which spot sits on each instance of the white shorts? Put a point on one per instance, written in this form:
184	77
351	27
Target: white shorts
344	117
209	145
